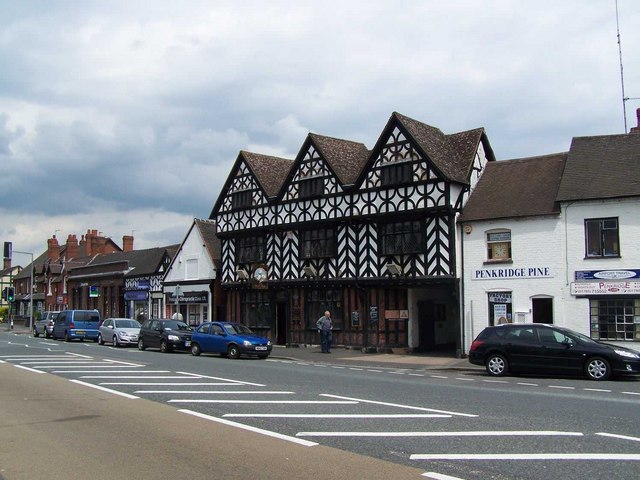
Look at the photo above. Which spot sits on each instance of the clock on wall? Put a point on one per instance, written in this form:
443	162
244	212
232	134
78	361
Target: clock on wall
260	274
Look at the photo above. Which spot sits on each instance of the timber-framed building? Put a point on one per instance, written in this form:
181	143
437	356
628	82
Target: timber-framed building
369	235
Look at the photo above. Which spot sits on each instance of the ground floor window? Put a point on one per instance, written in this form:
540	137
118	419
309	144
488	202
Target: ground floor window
321	300
257	309
500	308
615	319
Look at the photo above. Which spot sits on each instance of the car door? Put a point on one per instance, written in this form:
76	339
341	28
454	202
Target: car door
218	338
561	353
203	336
522	348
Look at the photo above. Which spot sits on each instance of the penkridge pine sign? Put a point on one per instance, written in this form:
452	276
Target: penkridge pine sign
511	273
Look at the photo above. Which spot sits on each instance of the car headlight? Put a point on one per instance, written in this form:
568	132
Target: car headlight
624	353
173	338
268	342
123	334
246	343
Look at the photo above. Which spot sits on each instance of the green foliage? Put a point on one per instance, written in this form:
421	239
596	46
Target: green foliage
4	313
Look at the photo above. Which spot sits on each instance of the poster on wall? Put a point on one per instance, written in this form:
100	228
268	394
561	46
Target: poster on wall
500	308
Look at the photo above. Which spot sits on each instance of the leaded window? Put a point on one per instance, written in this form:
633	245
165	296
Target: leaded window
311	187
318	243
257	309
250	249
615	319
242	199
321	300
396	173
402	237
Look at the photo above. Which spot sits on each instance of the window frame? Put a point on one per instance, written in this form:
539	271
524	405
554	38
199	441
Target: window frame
495	239
318	243
396	173
311	187
250	249
592	236
394	237
242	199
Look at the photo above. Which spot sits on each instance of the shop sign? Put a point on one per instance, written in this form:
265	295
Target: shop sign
511	273
136	295
143	284
606	274
190	297
605	288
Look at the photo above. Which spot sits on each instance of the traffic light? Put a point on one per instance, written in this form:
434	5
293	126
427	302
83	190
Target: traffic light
10	294
4	293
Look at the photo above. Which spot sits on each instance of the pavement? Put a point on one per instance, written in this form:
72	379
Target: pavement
352	356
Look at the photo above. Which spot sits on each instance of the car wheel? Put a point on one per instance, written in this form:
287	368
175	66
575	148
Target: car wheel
233	352
497	365
141	345
597	368
195	349
100	339
67	338
115	341
164	347
35	332
46	334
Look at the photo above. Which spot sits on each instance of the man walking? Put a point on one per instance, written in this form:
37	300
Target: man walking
325	326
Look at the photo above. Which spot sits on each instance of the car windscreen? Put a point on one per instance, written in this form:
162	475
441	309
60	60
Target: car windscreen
237	329
171	325
127	324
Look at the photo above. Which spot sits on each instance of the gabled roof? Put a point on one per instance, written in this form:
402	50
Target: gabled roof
136	262
606	166
212	242
516	188
345	158
452	155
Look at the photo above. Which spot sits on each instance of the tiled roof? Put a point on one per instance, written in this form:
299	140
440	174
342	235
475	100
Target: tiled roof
271	172
345	157
451	154
208	231
606	166
516	188
140	262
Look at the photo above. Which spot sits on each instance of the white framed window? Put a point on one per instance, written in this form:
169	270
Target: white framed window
499	245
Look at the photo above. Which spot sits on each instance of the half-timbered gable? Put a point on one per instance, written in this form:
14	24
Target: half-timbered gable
369	235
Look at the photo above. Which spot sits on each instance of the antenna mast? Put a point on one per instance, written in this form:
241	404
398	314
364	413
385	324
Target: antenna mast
624	99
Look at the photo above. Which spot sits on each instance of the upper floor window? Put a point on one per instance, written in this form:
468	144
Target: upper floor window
242	199
396	173
402	237
311	187
250	249
318	243
602	237
499	246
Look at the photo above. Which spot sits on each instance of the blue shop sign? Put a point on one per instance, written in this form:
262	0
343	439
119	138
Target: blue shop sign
136	295
621	274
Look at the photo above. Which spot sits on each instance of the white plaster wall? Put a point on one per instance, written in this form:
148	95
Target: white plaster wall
535	242
193	248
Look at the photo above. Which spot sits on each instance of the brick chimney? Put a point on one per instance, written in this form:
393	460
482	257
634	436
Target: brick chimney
636	129
53	249
72	247
127	243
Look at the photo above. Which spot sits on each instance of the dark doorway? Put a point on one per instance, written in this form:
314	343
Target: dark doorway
542	310
426	326
281	323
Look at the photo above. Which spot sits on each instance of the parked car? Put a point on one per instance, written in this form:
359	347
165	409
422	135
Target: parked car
229	339
165	334
44	326
76	324
542	348
119	331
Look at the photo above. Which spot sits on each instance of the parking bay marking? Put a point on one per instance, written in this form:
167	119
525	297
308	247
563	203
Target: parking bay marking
335	415
518	433
287	402
216	392
528	456
399	405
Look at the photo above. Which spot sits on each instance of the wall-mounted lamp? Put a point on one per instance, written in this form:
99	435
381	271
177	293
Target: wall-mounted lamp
310	271
242	274
393	268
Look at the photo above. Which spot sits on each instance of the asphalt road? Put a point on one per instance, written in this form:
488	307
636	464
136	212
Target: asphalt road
406	422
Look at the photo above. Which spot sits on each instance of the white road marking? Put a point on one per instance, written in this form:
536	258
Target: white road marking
115	392
597	390
562	387
29	369
516	433
622	437
527	384
335	415
439	476
85	366
631	393
283	402
217	392
166	384
131	377
251	429
529	456
399	405
221	378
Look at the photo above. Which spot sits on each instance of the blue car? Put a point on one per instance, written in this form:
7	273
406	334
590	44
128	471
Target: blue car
229	340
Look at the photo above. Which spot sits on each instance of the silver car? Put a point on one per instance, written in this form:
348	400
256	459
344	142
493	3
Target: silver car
44	326
119	332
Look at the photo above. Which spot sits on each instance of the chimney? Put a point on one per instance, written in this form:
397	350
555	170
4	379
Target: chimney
88	244
72	247
636	129
53	249
127	243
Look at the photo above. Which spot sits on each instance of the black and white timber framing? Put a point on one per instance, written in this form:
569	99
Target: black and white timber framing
382	294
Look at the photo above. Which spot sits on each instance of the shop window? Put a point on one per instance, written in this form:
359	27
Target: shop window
615	319
500	308
257	309
402	238
250	249
311	187
499	246
318	243
321	300
601	236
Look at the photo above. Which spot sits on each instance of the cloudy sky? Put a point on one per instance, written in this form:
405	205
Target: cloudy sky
126	116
